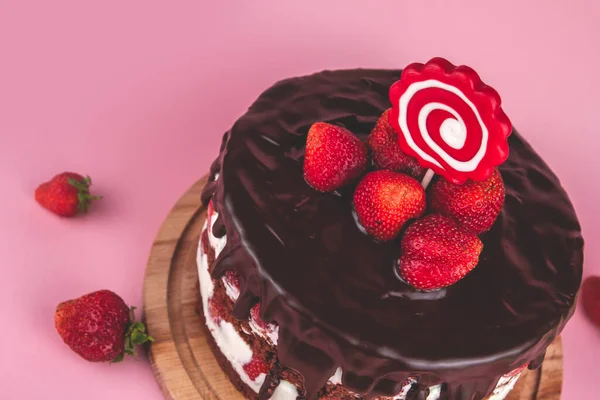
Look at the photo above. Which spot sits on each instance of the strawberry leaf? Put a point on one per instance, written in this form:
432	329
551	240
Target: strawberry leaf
118	359
81	186
83	193
138	326
138	337
135	335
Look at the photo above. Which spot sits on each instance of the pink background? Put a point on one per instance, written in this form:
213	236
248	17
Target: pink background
138	93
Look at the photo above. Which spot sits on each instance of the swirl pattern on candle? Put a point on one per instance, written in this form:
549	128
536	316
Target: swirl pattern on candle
449	120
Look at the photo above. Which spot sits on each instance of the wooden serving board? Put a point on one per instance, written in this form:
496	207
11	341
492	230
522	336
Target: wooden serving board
181	359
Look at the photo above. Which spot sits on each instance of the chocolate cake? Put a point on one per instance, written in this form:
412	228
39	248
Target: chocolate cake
301	303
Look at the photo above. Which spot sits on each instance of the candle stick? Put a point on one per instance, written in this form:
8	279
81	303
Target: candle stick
427	178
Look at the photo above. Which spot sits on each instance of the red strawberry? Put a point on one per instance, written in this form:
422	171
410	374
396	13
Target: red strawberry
232	279
333	157
209	212
387	154
255	315
590	298
385	200
255	367
475	204
437	252
516	371
99	327
66	194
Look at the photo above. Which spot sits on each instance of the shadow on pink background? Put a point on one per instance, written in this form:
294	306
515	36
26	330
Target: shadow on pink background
138	93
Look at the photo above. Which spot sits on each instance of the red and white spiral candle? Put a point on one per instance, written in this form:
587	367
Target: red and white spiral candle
449	120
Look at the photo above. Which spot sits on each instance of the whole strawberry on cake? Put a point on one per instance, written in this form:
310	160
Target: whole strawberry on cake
384	234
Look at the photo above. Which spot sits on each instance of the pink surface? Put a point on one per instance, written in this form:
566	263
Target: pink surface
137	95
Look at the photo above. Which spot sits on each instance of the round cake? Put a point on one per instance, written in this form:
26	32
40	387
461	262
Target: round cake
301	303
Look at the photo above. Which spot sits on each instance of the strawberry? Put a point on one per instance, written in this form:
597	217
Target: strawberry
334	157
255	315
590	298
67	194
475	204
437	252
209	212
387	154
232	279
516	371
385	200
99	327
256	367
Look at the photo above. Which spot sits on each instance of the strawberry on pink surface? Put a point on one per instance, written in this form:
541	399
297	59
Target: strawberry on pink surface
256	367
99	327
474	204
385	200
334	157
67	194
590	298
386	152
437	252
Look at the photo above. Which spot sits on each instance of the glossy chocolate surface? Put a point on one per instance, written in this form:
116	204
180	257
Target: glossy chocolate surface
333	290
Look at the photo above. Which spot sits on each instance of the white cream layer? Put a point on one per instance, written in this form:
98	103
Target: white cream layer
230	343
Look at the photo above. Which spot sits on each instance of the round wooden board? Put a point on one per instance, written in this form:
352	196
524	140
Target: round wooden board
181	359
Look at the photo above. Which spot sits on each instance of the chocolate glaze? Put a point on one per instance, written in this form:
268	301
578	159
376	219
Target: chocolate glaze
333	290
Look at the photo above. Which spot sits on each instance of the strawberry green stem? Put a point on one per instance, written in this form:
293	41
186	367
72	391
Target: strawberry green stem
135	335
83	193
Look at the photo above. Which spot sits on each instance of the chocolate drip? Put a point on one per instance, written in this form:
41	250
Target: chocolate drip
417	392
219	230
315	365
271	382
472	389
444	395
537	362
332	290
211	187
